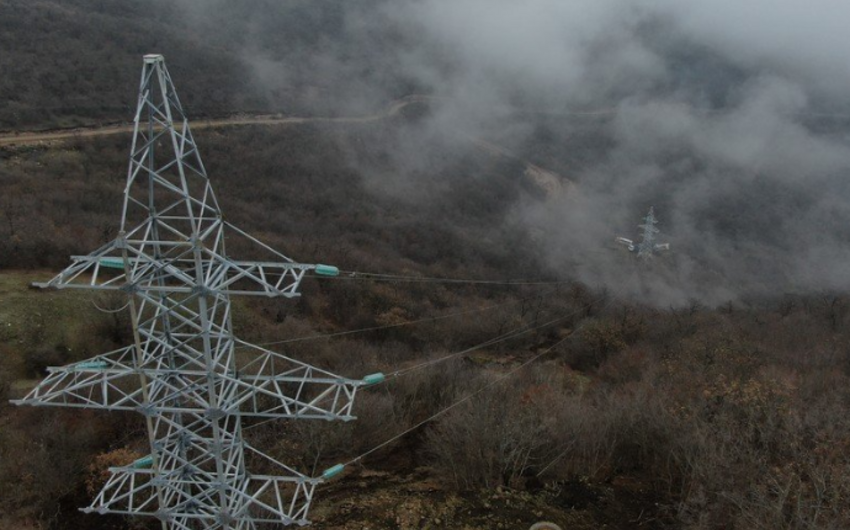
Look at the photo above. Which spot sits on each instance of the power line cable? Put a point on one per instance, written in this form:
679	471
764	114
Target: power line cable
109	311
378	277
514	333
330	472
491	384
552	462
517	332
401	324
466	398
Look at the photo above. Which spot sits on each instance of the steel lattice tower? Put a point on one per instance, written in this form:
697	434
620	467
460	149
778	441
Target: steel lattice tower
186	373
647	247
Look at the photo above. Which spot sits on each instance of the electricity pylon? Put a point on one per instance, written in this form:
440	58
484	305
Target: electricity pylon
647	247
185	372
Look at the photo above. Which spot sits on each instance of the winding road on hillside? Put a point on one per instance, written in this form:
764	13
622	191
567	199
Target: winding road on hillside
551	183
20	139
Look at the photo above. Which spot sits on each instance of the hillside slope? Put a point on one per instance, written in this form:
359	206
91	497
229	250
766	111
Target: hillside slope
75	62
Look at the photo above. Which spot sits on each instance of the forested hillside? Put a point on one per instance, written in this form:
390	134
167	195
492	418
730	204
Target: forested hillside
688	418
72	63
537	370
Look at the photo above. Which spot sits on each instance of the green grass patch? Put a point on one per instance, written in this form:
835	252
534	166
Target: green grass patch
60	326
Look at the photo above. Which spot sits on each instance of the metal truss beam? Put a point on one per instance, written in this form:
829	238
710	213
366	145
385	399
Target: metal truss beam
183	372
646	248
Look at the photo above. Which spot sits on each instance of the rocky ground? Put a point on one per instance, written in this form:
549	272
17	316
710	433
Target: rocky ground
378	500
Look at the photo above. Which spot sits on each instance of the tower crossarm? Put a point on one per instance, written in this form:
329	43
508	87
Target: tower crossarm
258	498
104	270
107	381
257	278
273	385
128	264
270	385
186	373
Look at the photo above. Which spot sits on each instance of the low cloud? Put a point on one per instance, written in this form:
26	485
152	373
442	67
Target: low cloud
713	112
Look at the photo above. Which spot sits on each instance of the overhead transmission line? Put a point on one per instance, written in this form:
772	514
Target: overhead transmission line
457	403
388	277
107	310
378	277
333	471
369	276
500	378
402	324
560	455
516	332
374	276
504	337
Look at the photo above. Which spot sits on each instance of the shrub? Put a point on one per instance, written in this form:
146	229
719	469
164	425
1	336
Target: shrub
98	469
38	360
491	440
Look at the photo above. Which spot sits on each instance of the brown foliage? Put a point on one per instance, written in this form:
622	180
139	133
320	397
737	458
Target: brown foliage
98	469
492	440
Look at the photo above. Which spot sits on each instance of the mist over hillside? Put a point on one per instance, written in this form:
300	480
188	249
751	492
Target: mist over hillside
467	166
728	119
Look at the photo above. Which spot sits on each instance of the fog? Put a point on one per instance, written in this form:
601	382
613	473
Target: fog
728	117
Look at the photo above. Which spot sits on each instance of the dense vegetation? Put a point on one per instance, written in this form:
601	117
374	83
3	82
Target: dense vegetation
693	418
75	62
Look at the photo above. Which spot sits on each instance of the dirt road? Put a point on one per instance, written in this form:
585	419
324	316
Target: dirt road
42	137
549	182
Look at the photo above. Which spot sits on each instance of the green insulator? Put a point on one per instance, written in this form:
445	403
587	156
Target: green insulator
331	472
92	365
374	379
327	270
143	463
112	263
